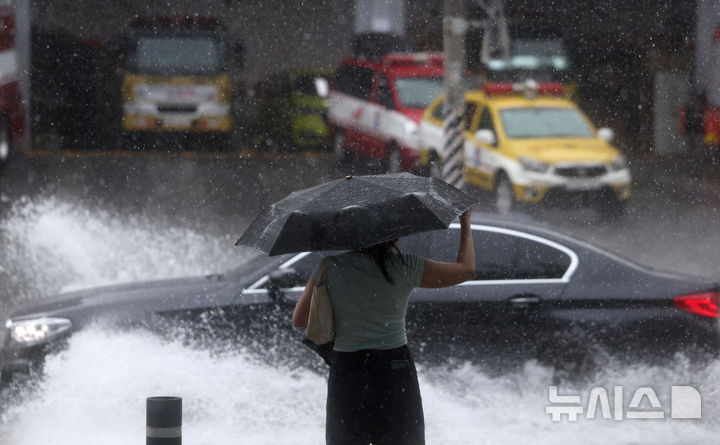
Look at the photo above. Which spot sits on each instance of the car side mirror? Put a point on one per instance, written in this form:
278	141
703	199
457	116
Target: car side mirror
283	278
485	136
606	134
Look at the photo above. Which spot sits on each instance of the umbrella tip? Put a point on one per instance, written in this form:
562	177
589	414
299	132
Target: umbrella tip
348	177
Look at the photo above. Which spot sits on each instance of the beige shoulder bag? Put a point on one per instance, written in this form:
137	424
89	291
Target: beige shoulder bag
320	334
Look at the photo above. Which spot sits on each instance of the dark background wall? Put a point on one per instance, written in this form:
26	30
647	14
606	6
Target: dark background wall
617	47
277	34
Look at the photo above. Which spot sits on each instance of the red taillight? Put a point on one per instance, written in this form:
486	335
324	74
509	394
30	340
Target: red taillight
705	304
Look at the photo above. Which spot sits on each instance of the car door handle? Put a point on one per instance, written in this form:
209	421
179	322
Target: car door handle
524	300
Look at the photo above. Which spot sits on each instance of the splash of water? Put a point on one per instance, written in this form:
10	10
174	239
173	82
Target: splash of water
94	392
52	245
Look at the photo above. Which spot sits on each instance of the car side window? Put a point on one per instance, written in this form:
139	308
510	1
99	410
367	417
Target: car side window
486	122
507	257
498	256
384	93
437	112
307	264
538	261
468	115
355	81
439	245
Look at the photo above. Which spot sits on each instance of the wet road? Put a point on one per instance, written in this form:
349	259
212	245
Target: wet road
201	190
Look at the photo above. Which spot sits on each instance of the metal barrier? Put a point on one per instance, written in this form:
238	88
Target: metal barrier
164	421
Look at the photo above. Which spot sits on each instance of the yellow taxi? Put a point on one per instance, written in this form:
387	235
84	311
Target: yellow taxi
527	142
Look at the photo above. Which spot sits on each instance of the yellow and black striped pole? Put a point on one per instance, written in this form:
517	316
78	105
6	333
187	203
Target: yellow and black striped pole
452	169
454	27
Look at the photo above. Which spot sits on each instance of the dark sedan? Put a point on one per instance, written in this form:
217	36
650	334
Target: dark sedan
536	293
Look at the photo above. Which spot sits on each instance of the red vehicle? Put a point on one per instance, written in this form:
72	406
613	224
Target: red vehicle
376	107
702	115
12	118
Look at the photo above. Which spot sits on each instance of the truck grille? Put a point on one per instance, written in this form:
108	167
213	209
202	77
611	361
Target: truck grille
177	108
581	171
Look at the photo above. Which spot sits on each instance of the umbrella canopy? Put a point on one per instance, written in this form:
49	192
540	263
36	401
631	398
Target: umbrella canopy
355	212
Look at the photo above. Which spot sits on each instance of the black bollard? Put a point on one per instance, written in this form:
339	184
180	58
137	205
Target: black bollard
164	421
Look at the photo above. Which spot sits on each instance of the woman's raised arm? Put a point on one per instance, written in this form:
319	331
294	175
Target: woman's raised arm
437	274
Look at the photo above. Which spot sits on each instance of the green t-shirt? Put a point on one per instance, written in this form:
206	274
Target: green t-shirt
369	312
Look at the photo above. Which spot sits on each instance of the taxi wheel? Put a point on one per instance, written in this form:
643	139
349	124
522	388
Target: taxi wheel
341	154
504	195
394	160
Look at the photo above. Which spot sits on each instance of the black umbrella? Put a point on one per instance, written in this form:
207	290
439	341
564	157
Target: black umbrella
355	212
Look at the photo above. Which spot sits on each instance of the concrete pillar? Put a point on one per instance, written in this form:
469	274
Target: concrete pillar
22	48
707	18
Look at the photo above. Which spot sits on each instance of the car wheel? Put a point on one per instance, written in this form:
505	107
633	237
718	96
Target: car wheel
5	141
504	195
394	160
341	153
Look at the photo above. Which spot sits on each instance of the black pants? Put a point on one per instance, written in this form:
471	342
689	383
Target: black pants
374	397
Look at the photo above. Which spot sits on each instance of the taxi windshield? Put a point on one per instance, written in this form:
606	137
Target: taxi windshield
544	122
418	92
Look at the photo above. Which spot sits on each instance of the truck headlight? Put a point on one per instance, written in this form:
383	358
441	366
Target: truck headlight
618	163
37	330
533	165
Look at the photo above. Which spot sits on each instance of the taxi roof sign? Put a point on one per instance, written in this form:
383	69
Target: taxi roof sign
529	88
413	59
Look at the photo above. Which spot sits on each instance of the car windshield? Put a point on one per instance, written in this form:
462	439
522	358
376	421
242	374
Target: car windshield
544	122
179	54
418	92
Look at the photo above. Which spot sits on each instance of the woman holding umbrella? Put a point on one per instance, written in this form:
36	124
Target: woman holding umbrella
373	393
